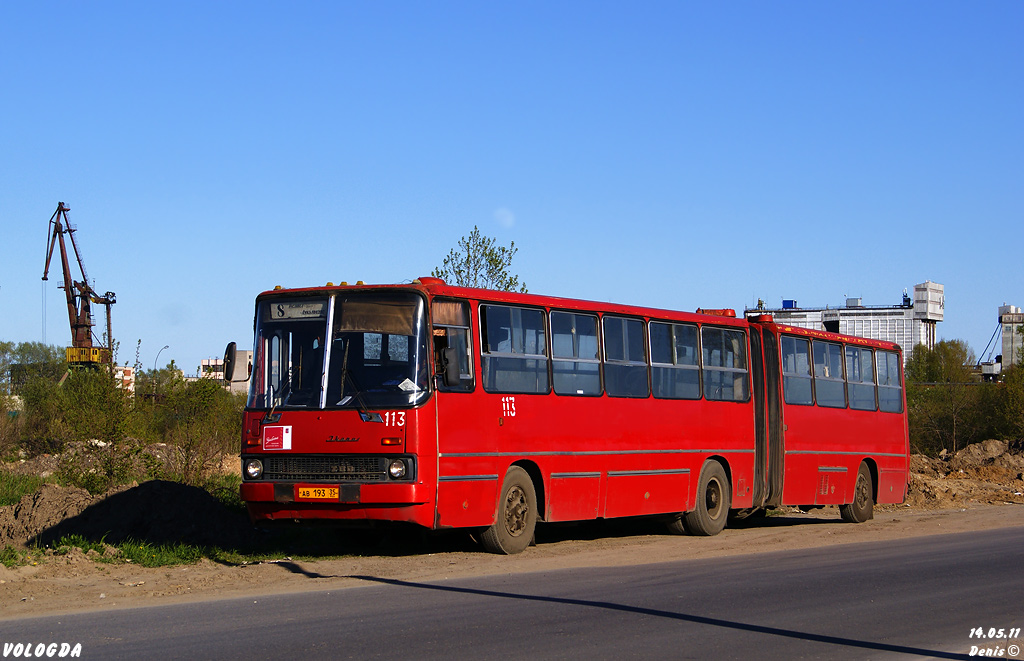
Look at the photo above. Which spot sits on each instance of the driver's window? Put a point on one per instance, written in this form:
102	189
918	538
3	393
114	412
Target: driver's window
451	331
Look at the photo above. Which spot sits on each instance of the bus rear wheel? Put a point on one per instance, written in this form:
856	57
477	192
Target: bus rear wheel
863	506
516	517
713	500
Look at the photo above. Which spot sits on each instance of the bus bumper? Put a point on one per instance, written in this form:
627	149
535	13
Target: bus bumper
383	502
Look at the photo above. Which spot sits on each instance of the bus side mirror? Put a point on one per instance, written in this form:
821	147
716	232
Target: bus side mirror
230	356
450	363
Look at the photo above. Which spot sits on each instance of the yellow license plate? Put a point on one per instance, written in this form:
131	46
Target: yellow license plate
318	493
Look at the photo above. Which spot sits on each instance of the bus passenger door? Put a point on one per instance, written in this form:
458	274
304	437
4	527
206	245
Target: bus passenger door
467	479
776	434
760	424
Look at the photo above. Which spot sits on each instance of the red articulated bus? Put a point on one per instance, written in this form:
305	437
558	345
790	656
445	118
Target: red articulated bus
450	407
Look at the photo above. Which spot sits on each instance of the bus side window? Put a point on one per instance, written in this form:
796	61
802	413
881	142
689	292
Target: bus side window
860	378
724	357
829	387
890	389
514	353
575	364
625	365
796	370
451	331
675	371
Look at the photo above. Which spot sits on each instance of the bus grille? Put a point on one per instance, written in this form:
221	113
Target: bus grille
338	469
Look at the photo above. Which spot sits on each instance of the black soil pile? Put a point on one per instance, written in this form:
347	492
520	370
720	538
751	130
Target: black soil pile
157	512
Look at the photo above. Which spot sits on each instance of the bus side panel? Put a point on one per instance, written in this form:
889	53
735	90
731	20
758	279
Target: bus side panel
832	485
467	502
825	447
892	485
808	431
726	429
573	496
626	457
468	469
631	494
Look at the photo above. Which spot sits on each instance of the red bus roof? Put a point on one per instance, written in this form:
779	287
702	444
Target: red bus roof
438	287
834	337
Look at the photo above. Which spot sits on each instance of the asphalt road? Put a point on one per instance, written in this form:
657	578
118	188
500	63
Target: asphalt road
917	597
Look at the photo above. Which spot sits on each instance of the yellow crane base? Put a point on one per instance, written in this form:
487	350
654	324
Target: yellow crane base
80	355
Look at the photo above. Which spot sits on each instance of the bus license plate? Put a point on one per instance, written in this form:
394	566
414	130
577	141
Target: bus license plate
318	493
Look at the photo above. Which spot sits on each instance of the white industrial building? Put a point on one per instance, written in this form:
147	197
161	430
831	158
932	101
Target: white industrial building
909	324
1011	319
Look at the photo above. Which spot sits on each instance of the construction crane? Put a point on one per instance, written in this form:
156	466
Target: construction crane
83	351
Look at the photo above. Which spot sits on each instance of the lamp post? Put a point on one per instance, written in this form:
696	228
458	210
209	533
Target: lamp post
155	361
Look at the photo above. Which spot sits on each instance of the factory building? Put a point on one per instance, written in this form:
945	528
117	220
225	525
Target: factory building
1011	320
909	324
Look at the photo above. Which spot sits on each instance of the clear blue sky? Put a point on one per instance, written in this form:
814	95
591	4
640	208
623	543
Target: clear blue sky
671	154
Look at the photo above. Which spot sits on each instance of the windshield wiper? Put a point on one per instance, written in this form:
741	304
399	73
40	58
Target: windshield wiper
366	415
272	395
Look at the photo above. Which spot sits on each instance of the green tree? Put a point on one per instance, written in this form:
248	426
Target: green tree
1020	351
34	360
943	396
1011	406
156	383
480	262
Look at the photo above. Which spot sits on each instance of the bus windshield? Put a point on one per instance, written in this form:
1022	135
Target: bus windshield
348	350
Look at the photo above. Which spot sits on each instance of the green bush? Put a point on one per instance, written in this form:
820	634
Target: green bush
1010	408
202	425
10	430
13	487
104	434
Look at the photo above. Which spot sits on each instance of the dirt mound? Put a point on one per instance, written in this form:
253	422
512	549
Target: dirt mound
35	512
986	472
43	465
978	454
158	512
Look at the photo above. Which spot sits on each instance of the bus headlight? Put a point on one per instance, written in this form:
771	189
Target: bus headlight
253	468
397	469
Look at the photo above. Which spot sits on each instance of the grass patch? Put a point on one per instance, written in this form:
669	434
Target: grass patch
13	487
160	555
140	553
11	557
68	542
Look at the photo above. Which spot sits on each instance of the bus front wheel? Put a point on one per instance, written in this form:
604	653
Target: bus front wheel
713	500
863	506
516	517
